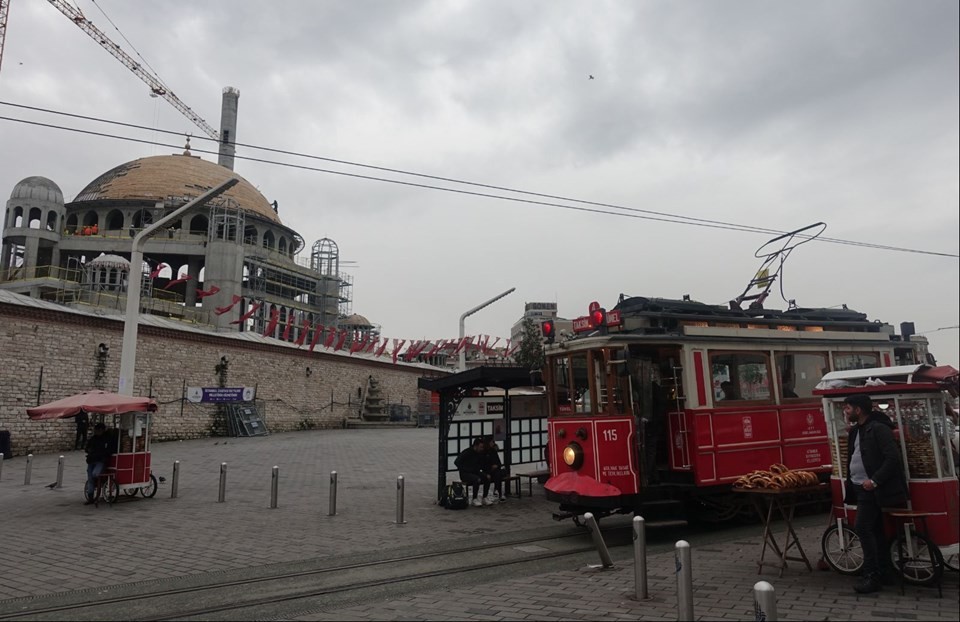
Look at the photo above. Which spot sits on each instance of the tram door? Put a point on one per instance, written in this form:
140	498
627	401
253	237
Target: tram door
653	383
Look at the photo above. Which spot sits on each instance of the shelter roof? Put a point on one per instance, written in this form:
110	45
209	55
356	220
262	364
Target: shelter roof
158	178
500	377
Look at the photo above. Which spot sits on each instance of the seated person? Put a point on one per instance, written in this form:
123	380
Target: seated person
470	464
492	467
729	391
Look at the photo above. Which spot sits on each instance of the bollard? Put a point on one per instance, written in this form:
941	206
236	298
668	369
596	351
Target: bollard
639	558
1	466
27	471
333	494
400	485
175	483
684	581
60	472
764	602
274	483
223	483
598	540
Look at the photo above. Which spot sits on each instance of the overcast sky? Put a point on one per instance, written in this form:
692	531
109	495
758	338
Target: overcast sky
771	114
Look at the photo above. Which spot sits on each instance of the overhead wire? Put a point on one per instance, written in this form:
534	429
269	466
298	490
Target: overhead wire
124	37
626	212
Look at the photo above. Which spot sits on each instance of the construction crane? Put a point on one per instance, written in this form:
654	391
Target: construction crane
157	87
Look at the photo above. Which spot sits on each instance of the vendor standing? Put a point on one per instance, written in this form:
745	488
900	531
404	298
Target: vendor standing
99	450
875	479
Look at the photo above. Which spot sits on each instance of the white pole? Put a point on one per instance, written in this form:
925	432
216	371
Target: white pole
764	601
128	353
463	353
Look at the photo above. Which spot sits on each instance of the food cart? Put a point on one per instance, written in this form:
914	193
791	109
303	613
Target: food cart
128	426
924	536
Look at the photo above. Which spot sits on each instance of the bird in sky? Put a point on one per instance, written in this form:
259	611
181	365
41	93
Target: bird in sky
591	77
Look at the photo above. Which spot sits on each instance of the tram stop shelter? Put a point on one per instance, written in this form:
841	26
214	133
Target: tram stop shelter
521	436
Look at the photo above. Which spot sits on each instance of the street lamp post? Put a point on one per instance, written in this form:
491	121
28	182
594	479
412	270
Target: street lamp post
463	353
128	353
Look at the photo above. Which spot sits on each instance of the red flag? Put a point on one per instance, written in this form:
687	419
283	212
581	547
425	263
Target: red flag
249	314
317	332
184	277
436	347
463	344
329	341
156	271
233	303
396	348
357	346
491	345
373	345
340	340
304	330
272	324
382	347
287	328
201	293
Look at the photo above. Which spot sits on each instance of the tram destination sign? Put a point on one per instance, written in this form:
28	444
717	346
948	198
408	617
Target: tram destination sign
220	394
583	324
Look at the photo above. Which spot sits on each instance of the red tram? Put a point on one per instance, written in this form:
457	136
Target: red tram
662	402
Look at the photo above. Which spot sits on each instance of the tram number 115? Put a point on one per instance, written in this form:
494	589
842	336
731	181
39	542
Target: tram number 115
609	435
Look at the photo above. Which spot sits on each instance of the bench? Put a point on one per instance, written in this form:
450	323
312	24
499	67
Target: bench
509	480
530	476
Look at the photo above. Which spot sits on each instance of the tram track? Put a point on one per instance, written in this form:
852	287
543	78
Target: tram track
260	596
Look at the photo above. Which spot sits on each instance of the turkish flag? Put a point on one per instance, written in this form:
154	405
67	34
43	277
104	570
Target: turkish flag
201	293
340	340
233	303
272	324
303	332
156	271
184	277
317	333
249	314
396	348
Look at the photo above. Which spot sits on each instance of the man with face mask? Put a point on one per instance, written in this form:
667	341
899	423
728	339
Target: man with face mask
875	480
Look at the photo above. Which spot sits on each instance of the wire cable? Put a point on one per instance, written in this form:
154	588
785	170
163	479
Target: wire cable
632	213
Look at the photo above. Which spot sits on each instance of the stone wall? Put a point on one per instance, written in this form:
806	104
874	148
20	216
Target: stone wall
55	352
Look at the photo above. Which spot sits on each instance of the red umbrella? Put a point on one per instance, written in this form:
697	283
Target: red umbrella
92	402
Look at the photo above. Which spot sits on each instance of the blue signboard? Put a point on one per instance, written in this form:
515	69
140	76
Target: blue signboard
220	394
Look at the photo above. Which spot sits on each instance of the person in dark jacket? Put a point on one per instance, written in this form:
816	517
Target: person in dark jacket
492	466
80	442
875	480
99	450
470	464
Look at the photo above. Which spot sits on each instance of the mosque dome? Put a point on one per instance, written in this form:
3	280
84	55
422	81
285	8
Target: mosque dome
39	189
356	320
157	178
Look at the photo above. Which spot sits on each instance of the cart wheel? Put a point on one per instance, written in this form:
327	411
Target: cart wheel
110	490
952	562
130	492
150	489
918	569
846	559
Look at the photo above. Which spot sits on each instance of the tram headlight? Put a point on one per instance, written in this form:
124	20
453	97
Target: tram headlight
573	455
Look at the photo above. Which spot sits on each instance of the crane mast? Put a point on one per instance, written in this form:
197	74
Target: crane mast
4	11
156	86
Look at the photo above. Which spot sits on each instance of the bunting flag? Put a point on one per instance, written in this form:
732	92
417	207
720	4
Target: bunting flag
396	348
437	347
233	303
249	314
203	293
463	344
156	271
272	324
287	328
383	346
373	345
317	333
357	346
488	350
304	331
340	340
329	341
184	277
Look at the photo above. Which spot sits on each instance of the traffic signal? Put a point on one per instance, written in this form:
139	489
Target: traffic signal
598	317
548	329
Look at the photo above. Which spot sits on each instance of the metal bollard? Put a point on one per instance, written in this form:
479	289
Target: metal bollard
1	466
640	558
684	581
174	484
333	494
29	469
764	602
60	472
598	540
400	485
223	483
274	483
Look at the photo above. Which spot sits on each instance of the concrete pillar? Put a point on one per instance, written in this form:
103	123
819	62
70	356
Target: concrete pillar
224	267
194	264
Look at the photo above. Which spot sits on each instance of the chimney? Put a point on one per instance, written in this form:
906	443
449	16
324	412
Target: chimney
907	330
228	127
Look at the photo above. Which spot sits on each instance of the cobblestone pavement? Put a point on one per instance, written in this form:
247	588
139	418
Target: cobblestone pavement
49	538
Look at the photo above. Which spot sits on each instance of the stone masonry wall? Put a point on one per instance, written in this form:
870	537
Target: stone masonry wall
64	345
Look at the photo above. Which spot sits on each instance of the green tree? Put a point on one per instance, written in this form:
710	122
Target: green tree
530	354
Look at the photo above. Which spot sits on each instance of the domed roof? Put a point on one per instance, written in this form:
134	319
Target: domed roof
355	320
109	261
158	177
38	188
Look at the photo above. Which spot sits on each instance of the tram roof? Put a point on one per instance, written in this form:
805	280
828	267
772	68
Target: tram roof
692	309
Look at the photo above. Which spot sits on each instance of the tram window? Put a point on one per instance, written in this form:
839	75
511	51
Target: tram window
855	360
740	376
580	391
799	373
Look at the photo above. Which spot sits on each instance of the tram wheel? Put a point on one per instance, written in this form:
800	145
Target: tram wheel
846	559
917	569
150	489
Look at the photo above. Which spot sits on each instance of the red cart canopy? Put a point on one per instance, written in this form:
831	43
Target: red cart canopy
93	402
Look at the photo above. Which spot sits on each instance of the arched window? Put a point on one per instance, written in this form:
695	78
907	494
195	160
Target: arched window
72	223
17	217
34	220
199	225
282	245
250	235
268	240
115	220
51	220
90	219
142	218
